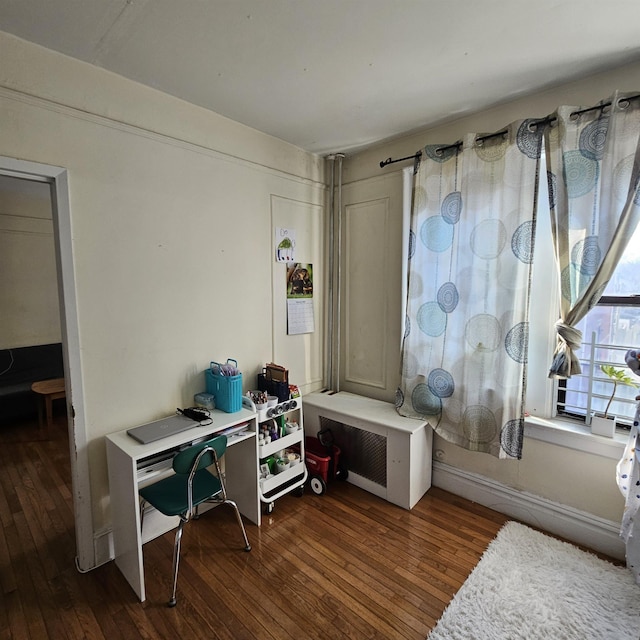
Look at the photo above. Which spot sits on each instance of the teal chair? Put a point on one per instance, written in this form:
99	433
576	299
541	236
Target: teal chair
191	485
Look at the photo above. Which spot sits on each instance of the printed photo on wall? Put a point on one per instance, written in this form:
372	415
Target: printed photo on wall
300	298
299	280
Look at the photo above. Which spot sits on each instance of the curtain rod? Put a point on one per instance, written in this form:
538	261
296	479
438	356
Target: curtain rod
439	150
604	105
480	139
415	156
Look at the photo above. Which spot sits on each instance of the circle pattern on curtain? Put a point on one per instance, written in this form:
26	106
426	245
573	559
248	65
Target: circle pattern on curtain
517	342
451	207
425	401
436	234
488	239
580	173
479	424
448	297
593	138
522	242
440	383
511	437
586	255
432	320
528	139
483	332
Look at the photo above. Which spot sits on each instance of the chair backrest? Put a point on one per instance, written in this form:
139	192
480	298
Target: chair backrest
183	461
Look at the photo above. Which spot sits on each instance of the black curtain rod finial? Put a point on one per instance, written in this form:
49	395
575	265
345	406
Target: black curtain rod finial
415	156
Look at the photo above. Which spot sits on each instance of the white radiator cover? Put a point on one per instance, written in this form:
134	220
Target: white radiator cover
391	454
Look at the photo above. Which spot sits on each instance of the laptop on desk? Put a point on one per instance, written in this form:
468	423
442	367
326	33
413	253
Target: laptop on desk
159	429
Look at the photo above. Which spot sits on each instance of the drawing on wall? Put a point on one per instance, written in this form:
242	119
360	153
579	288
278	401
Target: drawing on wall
300	298
285	244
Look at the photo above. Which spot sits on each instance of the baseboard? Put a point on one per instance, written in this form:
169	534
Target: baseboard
578	526
103	546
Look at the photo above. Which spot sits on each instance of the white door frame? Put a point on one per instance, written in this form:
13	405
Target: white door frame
57	178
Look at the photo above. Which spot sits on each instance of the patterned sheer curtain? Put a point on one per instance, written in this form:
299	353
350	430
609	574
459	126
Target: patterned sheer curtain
471	249
593	166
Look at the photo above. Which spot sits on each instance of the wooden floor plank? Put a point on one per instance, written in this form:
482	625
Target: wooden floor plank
343	565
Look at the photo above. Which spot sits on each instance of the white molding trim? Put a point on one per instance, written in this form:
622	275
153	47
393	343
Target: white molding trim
61	212
151	134
386	175
578	526
369	207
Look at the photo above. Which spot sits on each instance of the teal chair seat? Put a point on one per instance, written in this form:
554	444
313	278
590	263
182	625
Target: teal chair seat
191	485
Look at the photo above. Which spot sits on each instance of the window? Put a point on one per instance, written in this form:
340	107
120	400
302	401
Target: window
608	331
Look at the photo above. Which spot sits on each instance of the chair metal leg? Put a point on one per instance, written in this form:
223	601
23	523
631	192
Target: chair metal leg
231	503
176	562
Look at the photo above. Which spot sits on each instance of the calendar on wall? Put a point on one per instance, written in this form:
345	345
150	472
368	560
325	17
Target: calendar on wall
300	298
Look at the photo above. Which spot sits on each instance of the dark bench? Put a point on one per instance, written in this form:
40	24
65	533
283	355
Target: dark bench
19	369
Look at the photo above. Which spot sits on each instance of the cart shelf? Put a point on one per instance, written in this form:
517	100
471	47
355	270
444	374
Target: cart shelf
279	484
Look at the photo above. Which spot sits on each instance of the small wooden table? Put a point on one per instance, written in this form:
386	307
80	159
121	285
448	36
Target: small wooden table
50	390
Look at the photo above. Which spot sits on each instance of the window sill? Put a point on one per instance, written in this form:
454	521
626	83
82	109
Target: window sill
574	436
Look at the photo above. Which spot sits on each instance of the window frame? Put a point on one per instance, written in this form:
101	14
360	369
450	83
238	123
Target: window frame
623	422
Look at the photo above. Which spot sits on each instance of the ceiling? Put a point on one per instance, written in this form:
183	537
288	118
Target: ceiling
337	75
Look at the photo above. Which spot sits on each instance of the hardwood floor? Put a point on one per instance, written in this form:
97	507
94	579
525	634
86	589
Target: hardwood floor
342	565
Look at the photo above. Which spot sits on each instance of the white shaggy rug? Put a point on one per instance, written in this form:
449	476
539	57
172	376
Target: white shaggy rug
528	585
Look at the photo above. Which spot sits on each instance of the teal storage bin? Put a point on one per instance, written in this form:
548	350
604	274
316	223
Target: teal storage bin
227	390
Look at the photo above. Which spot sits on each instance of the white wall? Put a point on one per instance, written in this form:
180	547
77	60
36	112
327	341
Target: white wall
172	210
28	286
557	473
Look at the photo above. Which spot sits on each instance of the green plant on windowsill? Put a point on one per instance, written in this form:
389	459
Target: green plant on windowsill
617	376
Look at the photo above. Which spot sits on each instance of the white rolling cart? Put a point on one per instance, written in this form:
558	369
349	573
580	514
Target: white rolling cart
281	481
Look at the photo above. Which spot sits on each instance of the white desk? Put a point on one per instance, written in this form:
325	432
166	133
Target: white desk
126	458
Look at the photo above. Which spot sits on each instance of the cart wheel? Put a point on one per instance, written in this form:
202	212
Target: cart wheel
318	485
299	492
343	472
269	507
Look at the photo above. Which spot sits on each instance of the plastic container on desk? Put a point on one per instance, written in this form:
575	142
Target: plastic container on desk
227	390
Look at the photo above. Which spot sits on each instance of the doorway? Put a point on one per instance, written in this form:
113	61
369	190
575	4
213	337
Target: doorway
57	180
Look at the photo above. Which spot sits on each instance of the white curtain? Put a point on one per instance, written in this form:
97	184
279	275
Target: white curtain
471	249
593	167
